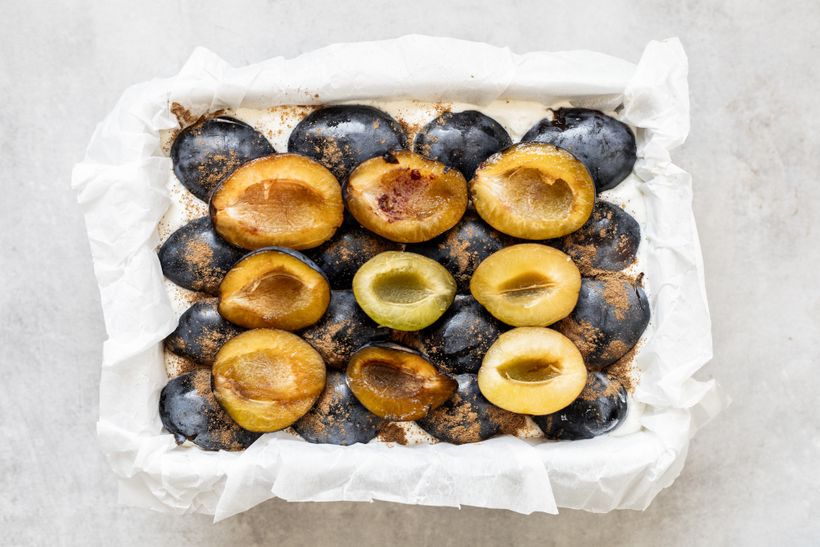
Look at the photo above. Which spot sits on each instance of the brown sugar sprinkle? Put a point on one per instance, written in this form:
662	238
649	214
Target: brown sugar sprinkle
616	296
583	334
624	370
391	432
509	423
200	255
410	129
176	365
182	114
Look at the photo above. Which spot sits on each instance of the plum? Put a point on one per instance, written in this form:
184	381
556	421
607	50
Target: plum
600	408
210	150
337	417
189	411
602	143
195	257
201	332
340	137
608	241
462	140
609	319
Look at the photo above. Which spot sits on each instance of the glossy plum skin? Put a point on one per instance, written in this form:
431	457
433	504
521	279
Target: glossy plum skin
462	140
609	319
600	408
337	417
608	241
341	137
462	248
208	151
603	144
466	417
343	329
200	333
189	411
342	256
195	257
457	342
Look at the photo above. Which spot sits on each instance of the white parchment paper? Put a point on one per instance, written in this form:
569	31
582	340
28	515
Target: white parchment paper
121	186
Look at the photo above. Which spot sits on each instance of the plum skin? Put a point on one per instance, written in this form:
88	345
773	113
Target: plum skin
338	417
342	136
200	333
207	152
189	411
600	408
603	144
608	241
196	258
462	140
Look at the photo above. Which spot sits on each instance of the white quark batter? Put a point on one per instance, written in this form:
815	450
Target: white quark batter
276	123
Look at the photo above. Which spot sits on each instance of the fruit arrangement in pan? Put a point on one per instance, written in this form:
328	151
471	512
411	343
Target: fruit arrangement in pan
459	281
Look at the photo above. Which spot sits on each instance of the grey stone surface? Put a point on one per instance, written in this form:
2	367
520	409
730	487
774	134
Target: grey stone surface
752	476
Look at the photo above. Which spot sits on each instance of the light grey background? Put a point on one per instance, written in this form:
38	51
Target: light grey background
752	477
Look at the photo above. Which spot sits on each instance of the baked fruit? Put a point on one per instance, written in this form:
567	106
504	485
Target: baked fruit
340	137
201	332
283	200
195	257
337	417
406	197
601	407
275	288
342	256
605	145
527	285
533	191
189	411
608	241
342	330
267	379
457	342
609	319
396	383
210	150
462	140
532	370
403	291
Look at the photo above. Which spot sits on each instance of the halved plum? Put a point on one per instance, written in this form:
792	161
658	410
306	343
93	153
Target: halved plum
527	285
406	197
190	412
283	200
338	417
608	241
403	291
457	342
342	330
210	150
609	319
195	257
601	407
276	288
533	191
267	379
532	370
397	383
340	137
462	140
200	333
605	145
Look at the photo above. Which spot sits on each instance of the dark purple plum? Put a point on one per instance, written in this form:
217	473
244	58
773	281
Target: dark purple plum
197	258
457	342
608	241
210	150
189	411
337	417
201	332
603	144
463	247
341	137
609	319
342	330
462	140
352	246
599	409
